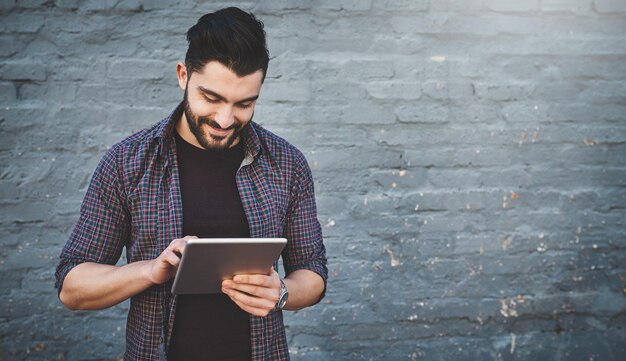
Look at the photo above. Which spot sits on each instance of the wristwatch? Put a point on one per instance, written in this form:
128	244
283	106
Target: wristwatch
282	297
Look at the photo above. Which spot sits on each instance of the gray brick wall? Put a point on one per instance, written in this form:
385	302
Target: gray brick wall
469	159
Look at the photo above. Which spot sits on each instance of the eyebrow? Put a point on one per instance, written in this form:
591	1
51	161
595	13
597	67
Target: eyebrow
220	97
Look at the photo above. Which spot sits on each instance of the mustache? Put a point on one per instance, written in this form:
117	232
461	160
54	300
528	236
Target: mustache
213	124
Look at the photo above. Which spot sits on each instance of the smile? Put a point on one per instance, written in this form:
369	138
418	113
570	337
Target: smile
219	132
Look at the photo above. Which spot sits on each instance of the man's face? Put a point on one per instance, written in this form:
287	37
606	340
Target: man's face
218	104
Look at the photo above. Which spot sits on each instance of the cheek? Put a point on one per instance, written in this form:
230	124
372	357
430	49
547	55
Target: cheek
244	115
201	108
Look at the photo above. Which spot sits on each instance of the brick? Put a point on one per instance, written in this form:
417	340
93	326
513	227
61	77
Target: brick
24	23
129	5
23	70
508	92
431	113
442	90
286	69
29	4
137	68
565	6
94	5
337	92
7	4
593	67
428	23
423	157
280	114
150	5
605	92
565	46
8	93
324	135
67	4
408	68
392	179
285	92
328	159
359	69
402	5
349	5
558	91
512	6
474	112
500	24
609	6
586	112
57	93
271	7
419	135
394	90
437	67
391	45
469	6
78	70
7	46
525	112
27	214
362	112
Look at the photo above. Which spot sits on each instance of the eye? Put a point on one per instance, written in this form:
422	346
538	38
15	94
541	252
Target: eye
211	100
244	105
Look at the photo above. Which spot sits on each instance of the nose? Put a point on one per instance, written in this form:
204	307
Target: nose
225	116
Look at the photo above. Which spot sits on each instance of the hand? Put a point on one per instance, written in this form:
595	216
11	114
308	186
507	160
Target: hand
163	268
256	294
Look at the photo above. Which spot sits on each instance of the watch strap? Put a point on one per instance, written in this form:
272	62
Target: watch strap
282	297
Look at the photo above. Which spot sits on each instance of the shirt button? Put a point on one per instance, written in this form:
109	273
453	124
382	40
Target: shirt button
160	339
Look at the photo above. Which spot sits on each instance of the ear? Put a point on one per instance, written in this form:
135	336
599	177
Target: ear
181	73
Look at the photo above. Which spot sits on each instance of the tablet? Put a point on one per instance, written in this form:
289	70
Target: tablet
206	262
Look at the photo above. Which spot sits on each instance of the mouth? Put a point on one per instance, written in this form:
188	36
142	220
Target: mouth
219	132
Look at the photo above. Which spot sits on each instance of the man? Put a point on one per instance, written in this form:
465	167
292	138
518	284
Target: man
204	171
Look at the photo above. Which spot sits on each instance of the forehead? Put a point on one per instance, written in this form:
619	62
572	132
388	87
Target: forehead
218	78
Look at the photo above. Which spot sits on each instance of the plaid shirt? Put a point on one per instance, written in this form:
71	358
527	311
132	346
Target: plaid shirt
134	201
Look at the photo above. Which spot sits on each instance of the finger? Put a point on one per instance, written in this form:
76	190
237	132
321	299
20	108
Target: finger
259	312
249	301
179	248
259	280
169	259
174	244
270	294
178	245
173	259
179	241
163	267
186	238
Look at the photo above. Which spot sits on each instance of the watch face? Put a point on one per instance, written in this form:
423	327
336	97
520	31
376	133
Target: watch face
283	300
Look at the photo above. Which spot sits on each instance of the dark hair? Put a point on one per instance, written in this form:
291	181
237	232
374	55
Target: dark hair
231	36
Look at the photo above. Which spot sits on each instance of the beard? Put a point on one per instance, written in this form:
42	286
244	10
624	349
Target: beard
207	140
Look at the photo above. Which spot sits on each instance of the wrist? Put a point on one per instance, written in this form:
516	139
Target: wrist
146	272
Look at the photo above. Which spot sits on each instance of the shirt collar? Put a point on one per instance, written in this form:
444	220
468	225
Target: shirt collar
251	142
165	129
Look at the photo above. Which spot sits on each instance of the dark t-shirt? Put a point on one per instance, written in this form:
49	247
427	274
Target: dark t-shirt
210	327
